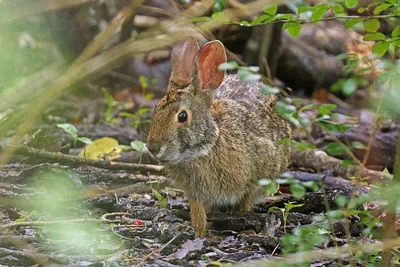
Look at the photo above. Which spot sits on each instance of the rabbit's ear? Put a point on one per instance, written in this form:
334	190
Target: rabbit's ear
209	57
182	61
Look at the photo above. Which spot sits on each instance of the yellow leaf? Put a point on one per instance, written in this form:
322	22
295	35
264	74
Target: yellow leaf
102	148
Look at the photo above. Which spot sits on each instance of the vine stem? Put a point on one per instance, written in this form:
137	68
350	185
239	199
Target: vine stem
305	21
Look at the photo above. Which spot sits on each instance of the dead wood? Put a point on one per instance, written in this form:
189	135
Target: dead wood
383	146
319	161
303	66
328	36
73	161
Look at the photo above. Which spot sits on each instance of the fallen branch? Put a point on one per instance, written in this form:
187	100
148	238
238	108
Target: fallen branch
44	223
23	9
320	162
74	161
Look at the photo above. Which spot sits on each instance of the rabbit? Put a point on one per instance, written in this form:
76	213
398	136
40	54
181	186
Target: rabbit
215	135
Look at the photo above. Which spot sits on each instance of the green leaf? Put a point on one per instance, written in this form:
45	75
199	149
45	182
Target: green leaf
231	65
284	16
335	214
260	19
358	145
138	146
19	220
253	68
283	108
291	205
337	8
85	140
293	28
69	128
376	36
220	16
271	186
349	87
143	81
319	218
380	48
396	31
351	3
352	22
273	208
335	149
372	25
341	201
162	201
326	109
267	90
361	9
297	190
311	184
109	98
382	7
302	9
248	76
218	5
301	146
271	10
319	11
307	107
395	43
199	19
347	162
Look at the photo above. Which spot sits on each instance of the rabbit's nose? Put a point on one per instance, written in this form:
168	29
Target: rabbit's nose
153	147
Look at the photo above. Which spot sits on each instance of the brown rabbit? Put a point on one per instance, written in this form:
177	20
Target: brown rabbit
216	135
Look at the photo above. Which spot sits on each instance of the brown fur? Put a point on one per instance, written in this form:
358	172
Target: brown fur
233	140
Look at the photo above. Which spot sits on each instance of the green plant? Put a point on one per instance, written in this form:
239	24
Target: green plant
140	147
285	211
71	129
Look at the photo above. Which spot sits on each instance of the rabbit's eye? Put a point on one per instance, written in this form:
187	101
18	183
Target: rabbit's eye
182	116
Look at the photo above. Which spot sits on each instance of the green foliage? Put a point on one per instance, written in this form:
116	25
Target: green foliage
70	129
116	109
335	149
140	147
162	201
285	211
218	5
310	14
304	238
351	3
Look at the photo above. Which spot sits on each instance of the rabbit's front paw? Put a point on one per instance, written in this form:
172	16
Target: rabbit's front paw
198	217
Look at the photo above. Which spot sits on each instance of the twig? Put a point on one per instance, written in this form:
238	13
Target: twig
101	38
376	125
105	216
44	223
24	9
158	250
305	21
318	160
74	161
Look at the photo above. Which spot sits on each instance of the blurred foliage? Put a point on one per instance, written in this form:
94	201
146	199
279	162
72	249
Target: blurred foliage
25	48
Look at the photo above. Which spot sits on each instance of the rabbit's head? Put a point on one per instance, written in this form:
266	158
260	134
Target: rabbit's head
182	127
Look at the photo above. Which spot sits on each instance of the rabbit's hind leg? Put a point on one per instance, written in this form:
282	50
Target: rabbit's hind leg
246	203
198	217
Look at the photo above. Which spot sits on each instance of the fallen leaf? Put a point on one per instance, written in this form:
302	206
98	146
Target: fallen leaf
102	148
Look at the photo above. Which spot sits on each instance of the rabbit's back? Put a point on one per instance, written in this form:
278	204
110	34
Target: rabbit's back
246	92
255	116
